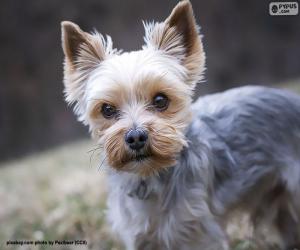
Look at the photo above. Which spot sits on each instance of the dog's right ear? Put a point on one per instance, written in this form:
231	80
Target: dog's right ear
83	53
81	49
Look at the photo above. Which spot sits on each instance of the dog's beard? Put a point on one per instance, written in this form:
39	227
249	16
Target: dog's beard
165	142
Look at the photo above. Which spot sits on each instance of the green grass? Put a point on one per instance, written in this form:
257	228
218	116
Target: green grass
60	195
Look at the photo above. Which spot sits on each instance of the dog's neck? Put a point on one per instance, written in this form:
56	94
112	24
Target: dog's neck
142	188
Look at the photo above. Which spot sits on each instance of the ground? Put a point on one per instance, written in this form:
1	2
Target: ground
60	195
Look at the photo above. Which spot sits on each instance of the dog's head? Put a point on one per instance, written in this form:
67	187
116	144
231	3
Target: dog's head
137	104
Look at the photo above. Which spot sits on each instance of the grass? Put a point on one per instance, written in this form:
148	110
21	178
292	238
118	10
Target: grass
57	195
60	195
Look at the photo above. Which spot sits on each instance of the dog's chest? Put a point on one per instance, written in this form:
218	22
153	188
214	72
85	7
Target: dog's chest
132	217
146	218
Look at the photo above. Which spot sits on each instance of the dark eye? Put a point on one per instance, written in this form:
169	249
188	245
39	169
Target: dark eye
108	111
160	102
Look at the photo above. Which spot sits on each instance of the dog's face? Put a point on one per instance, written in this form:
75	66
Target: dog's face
136	104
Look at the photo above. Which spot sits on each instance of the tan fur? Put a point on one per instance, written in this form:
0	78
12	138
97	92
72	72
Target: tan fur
165	141
83	54
95	74
165	128
179	36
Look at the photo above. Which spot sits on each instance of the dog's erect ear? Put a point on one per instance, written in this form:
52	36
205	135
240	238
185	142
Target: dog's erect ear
83	53
80	47
178	36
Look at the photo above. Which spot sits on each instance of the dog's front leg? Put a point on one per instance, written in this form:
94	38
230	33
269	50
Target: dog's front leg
214	237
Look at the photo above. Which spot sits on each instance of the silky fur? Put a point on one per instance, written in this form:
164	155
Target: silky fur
238	150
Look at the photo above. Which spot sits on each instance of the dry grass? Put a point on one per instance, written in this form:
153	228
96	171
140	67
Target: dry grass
56	195
60	195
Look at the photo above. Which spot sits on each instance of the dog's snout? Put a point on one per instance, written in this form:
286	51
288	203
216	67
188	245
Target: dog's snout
136	138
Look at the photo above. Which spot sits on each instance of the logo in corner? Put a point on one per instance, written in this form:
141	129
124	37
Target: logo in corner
283	8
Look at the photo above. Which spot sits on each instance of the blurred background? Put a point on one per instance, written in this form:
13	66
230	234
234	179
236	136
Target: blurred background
52	193
244	45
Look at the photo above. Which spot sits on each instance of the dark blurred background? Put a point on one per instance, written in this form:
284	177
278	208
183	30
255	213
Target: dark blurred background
244	45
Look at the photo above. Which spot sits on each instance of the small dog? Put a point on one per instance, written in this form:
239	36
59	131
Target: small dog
177	170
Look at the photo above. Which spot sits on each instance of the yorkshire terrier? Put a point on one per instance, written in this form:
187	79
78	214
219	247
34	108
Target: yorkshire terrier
178	169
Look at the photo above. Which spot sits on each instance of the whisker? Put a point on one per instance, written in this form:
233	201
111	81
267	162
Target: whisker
102	163
92	151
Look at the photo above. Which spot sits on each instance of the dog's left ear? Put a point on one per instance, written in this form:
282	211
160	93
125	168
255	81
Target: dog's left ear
178	36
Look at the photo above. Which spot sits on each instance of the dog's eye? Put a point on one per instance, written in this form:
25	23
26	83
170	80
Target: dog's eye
108	111
160	102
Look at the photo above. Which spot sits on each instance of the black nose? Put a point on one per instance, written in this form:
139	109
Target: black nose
136	138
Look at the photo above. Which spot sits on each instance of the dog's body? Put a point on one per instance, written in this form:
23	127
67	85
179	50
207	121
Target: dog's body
243	153
176	169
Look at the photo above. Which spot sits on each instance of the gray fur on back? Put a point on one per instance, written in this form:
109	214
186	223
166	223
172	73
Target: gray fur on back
243	153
